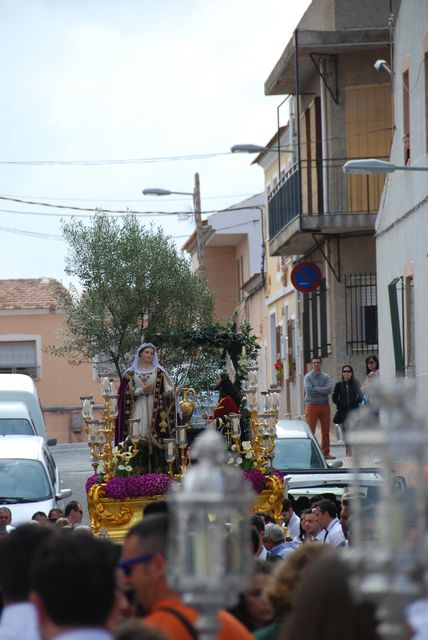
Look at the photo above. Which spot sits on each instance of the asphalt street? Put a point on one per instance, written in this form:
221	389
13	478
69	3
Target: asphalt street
74	465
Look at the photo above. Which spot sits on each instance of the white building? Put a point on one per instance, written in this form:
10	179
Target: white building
402	221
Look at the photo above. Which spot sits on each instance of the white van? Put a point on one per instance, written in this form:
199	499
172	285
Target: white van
19	402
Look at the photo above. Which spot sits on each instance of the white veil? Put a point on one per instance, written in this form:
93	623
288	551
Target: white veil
135	366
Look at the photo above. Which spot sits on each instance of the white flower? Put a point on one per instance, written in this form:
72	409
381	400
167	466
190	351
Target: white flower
121	467
230	460
238	461
233	447
249	455
128	468
246	445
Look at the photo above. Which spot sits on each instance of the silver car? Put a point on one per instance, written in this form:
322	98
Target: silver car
29	478
307	473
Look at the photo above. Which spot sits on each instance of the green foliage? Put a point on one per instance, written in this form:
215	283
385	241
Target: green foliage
136	286
218	340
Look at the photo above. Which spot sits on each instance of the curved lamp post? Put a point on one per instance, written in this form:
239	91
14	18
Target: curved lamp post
196	195
373	166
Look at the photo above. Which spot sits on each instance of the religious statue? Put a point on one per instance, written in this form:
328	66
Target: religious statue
147	408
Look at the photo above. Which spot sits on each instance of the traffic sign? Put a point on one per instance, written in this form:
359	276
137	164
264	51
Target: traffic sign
306	276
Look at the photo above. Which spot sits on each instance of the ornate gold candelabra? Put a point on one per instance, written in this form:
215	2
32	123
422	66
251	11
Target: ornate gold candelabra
263	432
100	432
187	406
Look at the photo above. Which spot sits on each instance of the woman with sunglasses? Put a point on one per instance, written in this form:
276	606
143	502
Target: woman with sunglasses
346	395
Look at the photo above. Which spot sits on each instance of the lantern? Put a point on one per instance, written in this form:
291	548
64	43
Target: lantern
209	554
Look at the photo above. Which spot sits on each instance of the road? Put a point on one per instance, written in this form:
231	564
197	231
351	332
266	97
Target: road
74	464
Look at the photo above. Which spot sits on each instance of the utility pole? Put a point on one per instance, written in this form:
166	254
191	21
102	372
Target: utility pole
200	243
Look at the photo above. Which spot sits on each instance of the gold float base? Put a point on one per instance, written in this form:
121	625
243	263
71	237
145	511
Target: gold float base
271	499
116	517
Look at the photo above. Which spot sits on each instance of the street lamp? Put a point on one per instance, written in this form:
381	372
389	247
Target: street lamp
196	195
255	148
373	166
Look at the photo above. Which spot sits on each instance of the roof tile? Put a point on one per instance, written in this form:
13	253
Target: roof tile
34	293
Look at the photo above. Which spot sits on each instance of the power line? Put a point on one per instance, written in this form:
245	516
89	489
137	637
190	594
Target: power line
88	163
102	198
50	236
102	210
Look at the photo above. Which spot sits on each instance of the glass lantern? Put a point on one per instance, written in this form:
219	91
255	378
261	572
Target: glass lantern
105	386
389	550
112	403
209	552
134	429
235	421
87	405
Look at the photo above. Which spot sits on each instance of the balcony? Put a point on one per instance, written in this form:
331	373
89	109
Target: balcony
317	197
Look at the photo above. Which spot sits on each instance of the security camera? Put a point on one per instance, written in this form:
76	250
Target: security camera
382	64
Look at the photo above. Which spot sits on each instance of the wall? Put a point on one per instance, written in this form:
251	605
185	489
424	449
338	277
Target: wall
403	214
61	384
220	264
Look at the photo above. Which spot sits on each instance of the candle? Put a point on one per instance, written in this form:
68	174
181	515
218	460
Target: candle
181	436
169	449
105	386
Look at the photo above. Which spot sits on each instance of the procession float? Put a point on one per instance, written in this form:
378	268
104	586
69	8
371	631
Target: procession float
134	467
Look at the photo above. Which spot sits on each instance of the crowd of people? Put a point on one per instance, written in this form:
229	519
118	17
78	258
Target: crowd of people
55	584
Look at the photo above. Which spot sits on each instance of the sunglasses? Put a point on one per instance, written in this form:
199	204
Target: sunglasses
126	565
346	371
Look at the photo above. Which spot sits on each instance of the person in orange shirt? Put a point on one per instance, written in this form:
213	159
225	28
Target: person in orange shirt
144	565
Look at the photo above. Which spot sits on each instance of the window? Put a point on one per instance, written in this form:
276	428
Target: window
19	357
273	347
296	453
361	312
409	326
315	323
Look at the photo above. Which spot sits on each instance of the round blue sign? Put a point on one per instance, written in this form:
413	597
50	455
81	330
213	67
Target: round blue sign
306	276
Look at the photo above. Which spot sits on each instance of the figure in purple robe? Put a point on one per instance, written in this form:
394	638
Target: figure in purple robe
147	394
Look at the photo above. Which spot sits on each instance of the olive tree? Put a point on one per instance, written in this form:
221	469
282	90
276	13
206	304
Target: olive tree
135	285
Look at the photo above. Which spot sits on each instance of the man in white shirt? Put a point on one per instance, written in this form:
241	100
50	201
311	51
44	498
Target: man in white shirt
326	511
291	520
17	550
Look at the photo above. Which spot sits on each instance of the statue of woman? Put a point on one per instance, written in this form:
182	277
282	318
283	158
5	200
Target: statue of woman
146	393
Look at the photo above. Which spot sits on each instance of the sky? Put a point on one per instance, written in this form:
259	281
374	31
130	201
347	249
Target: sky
168	85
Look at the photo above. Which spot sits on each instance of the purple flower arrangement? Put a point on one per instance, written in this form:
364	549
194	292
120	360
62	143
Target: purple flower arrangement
120	488
257	479
157	484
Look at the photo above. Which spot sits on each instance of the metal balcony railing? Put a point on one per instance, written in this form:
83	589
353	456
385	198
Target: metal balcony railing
319	187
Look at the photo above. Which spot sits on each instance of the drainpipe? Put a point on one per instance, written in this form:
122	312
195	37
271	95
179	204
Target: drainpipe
324	139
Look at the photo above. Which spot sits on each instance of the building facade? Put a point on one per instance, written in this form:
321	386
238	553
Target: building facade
401	235
30	321
341	109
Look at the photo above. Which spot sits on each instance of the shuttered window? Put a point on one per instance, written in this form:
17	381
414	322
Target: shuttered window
19	357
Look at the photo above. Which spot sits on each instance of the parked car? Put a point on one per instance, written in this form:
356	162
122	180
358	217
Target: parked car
15	420
29	478
17	387
296	448
307	473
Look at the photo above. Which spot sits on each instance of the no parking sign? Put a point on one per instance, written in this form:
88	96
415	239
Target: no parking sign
306	276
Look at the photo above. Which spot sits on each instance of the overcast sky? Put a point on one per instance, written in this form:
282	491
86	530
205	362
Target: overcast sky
107	80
